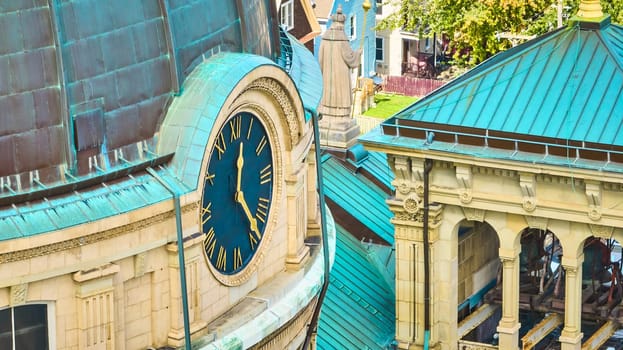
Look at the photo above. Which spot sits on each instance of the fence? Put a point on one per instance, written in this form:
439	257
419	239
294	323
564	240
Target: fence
409	86
367	123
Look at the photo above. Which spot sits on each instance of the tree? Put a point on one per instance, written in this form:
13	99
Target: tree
477	29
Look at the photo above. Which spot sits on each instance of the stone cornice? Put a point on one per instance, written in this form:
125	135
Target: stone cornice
92	238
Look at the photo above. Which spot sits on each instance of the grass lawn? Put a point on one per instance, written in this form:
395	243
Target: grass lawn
388	104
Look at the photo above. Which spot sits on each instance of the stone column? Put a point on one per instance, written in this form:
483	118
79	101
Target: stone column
508	328
571	336
297	252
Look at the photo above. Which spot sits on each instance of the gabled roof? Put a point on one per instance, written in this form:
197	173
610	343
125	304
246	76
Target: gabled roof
567	84
358	311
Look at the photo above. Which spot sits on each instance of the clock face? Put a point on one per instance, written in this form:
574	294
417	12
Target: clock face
237	194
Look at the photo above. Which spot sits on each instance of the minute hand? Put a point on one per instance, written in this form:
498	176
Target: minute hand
245	208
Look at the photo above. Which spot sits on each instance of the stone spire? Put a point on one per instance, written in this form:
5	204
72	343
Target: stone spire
590	9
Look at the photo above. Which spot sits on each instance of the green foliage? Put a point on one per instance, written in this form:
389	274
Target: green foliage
478	29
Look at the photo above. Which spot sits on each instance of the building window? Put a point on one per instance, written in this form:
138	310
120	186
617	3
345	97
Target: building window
24	327
352	29
379	49
379	7
287	14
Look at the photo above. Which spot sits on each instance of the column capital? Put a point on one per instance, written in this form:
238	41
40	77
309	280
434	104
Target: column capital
572	263
510	255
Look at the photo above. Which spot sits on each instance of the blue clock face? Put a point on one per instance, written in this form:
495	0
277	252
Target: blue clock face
237	194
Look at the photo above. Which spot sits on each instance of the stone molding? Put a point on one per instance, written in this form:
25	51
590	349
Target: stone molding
26	254
278	92
19	294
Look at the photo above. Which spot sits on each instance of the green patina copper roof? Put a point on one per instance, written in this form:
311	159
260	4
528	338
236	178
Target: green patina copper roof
566	85
560	93
359	197
185	131
358	311
98	202
306	74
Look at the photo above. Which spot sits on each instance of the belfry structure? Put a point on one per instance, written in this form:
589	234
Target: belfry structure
507	204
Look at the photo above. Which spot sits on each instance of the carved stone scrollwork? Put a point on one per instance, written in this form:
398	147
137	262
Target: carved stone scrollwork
594	213
593	197
277	91
419	189
601	231
529	204
19	293
403	188
464	179
536	222
473	214
411	204
465	196
528	189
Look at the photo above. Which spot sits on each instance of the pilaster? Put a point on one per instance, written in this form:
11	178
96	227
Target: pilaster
313	209
96	307
508	328
297	251
410	269
197	325
571	336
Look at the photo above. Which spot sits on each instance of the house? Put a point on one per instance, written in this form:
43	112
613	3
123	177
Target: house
400	52
297	17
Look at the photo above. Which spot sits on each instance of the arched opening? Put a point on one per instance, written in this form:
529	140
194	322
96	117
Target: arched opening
602	291
541	289
478	269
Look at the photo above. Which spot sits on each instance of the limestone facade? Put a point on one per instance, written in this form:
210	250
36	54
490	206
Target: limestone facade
510	197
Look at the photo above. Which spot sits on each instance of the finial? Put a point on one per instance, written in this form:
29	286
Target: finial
366	6
590	9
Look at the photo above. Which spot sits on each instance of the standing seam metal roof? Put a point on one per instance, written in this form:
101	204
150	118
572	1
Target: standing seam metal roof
566	84
359	310
359	197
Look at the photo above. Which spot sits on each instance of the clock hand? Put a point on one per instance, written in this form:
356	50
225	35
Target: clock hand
247	212
240	195
239	164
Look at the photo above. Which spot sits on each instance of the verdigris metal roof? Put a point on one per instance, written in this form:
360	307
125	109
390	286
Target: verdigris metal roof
306	74
98	202
359	197
359	309
567	84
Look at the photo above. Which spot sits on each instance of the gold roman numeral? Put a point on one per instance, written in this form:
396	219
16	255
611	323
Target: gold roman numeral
237	258
220	145
209	242
260	146
262	209
206	214
250	126
210	178
234	125
265	175
252	241
221	261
